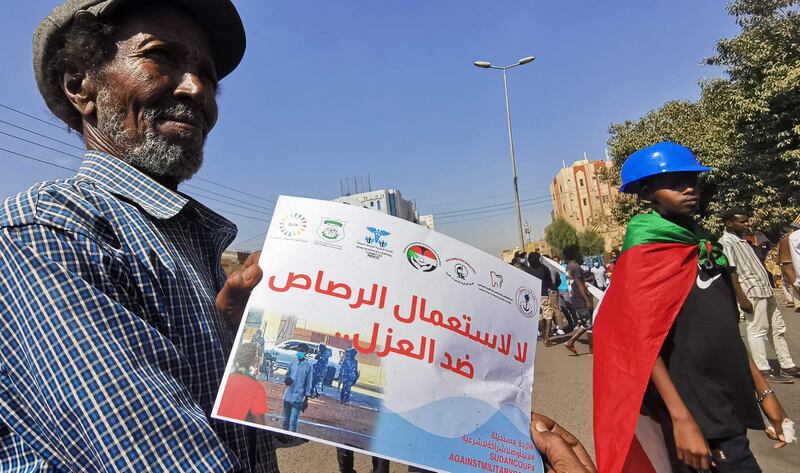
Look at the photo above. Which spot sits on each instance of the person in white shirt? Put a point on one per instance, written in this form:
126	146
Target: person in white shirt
756	299
794	247
599	272
789	260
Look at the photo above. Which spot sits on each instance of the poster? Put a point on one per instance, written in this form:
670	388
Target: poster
420	349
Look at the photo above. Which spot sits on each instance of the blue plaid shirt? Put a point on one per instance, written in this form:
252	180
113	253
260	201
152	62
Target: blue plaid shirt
111	347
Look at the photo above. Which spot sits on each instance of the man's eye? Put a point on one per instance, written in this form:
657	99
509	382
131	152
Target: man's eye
160	54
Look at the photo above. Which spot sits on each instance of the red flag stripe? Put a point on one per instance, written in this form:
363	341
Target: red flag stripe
651	282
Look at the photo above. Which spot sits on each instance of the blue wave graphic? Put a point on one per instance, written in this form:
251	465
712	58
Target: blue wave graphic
397	437
445	417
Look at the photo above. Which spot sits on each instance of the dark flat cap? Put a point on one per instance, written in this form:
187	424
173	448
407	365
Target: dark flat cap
218	18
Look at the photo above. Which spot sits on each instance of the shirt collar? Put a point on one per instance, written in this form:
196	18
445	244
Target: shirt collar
124	180
733	235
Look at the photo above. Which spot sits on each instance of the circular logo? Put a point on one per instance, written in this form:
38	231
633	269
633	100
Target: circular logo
526	302
459	271
292	225
422	257
331	229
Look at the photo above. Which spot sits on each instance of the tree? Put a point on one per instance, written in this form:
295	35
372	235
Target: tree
747	127
560	234
590	242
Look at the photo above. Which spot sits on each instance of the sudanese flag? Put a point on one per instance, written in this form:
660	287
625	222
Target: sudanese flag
652	278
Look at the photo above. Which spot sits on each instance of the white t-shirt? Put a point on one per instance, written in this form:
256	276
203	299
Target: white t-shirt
599	276
794	248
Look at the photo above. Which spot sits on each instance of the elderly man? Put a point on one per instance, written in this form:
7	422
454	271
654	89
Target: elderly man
116	317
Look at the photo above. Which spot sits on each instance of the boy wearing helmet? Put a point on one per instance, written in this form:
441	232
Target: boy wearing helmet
667	341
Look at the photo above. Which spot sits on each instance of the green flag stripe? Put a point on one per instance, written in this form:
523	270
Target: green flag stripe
653	228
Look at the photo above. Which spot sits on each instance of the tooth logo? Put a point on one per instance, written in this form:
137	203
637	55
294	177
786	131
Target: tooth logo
497	280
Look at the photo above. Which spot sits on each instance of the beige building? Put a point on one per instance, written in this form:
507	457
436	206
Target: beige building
537	245
427	220
584	200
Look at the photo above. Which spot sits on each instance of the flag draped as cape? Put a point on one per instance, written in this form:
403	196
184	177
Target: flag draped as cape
652	278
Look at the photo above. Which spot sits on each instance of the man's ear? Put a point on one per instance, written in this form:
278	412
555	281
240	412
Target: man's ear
81	91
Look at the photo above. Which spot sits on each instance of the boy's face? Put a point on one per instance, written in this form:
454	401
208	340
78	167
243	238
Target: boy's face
739	225
674	193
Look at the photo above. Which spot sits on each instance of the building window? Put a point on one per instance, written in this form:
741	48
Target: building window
379	205
392	204
581	180
372	203
584	201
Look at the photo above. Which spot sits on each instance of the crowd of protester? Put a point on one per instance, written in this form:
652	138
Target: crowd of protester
567	306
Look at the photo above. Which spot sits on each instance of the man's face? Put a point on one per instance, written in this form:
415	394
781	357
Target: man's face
156	99
739	225
675	193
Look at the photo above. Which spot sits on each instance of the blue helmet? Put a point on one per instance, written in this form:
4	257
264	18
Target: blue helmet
660	158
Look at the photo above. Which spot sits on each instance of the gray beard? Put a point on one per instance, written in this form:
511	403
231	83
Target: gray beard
153	153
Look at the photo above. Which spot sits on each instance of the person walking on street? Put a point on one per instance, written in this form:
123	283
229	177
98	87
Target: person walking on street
667	335
599	272
549	292
756	299
580	299
298	383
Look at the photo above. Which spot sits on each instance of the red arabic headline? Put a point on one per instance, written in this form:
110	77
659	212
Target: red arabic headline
424	350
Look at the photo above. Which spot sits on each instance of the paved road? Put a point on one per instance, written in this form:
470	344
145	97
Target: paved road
563	391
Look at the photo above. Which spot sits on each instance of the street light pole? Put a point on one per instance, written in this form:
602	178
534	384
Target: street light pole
487	65
513	160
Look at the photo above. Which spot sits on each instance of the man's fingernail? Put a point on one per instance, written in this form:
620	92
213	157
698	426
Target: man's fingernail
540	427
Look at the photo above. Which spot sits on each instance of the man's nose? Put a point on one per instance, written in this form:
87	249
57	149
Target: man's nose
191	88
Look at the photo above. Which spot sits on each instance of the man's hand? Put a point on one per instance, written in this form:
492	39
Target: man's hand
741	297
776	415
561	451
232	299
691	445
746	306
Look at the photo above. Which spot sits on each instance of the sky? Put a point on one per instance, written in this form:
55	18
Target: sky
335	89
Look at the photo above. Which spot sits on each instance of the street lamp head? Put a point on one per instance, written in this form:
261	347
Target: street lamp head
526	60
483	64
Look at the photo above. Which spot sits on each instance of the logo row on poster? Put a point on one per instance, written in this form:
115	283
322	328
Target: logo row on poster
376	243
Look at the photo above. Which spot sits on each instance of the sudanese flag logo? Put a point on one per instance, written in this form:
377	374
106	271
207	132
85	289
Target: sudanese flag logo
422	257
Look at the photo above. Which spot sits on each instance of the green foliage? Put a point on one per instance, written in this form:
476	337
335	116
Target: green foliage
560	234
590	242
747	127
